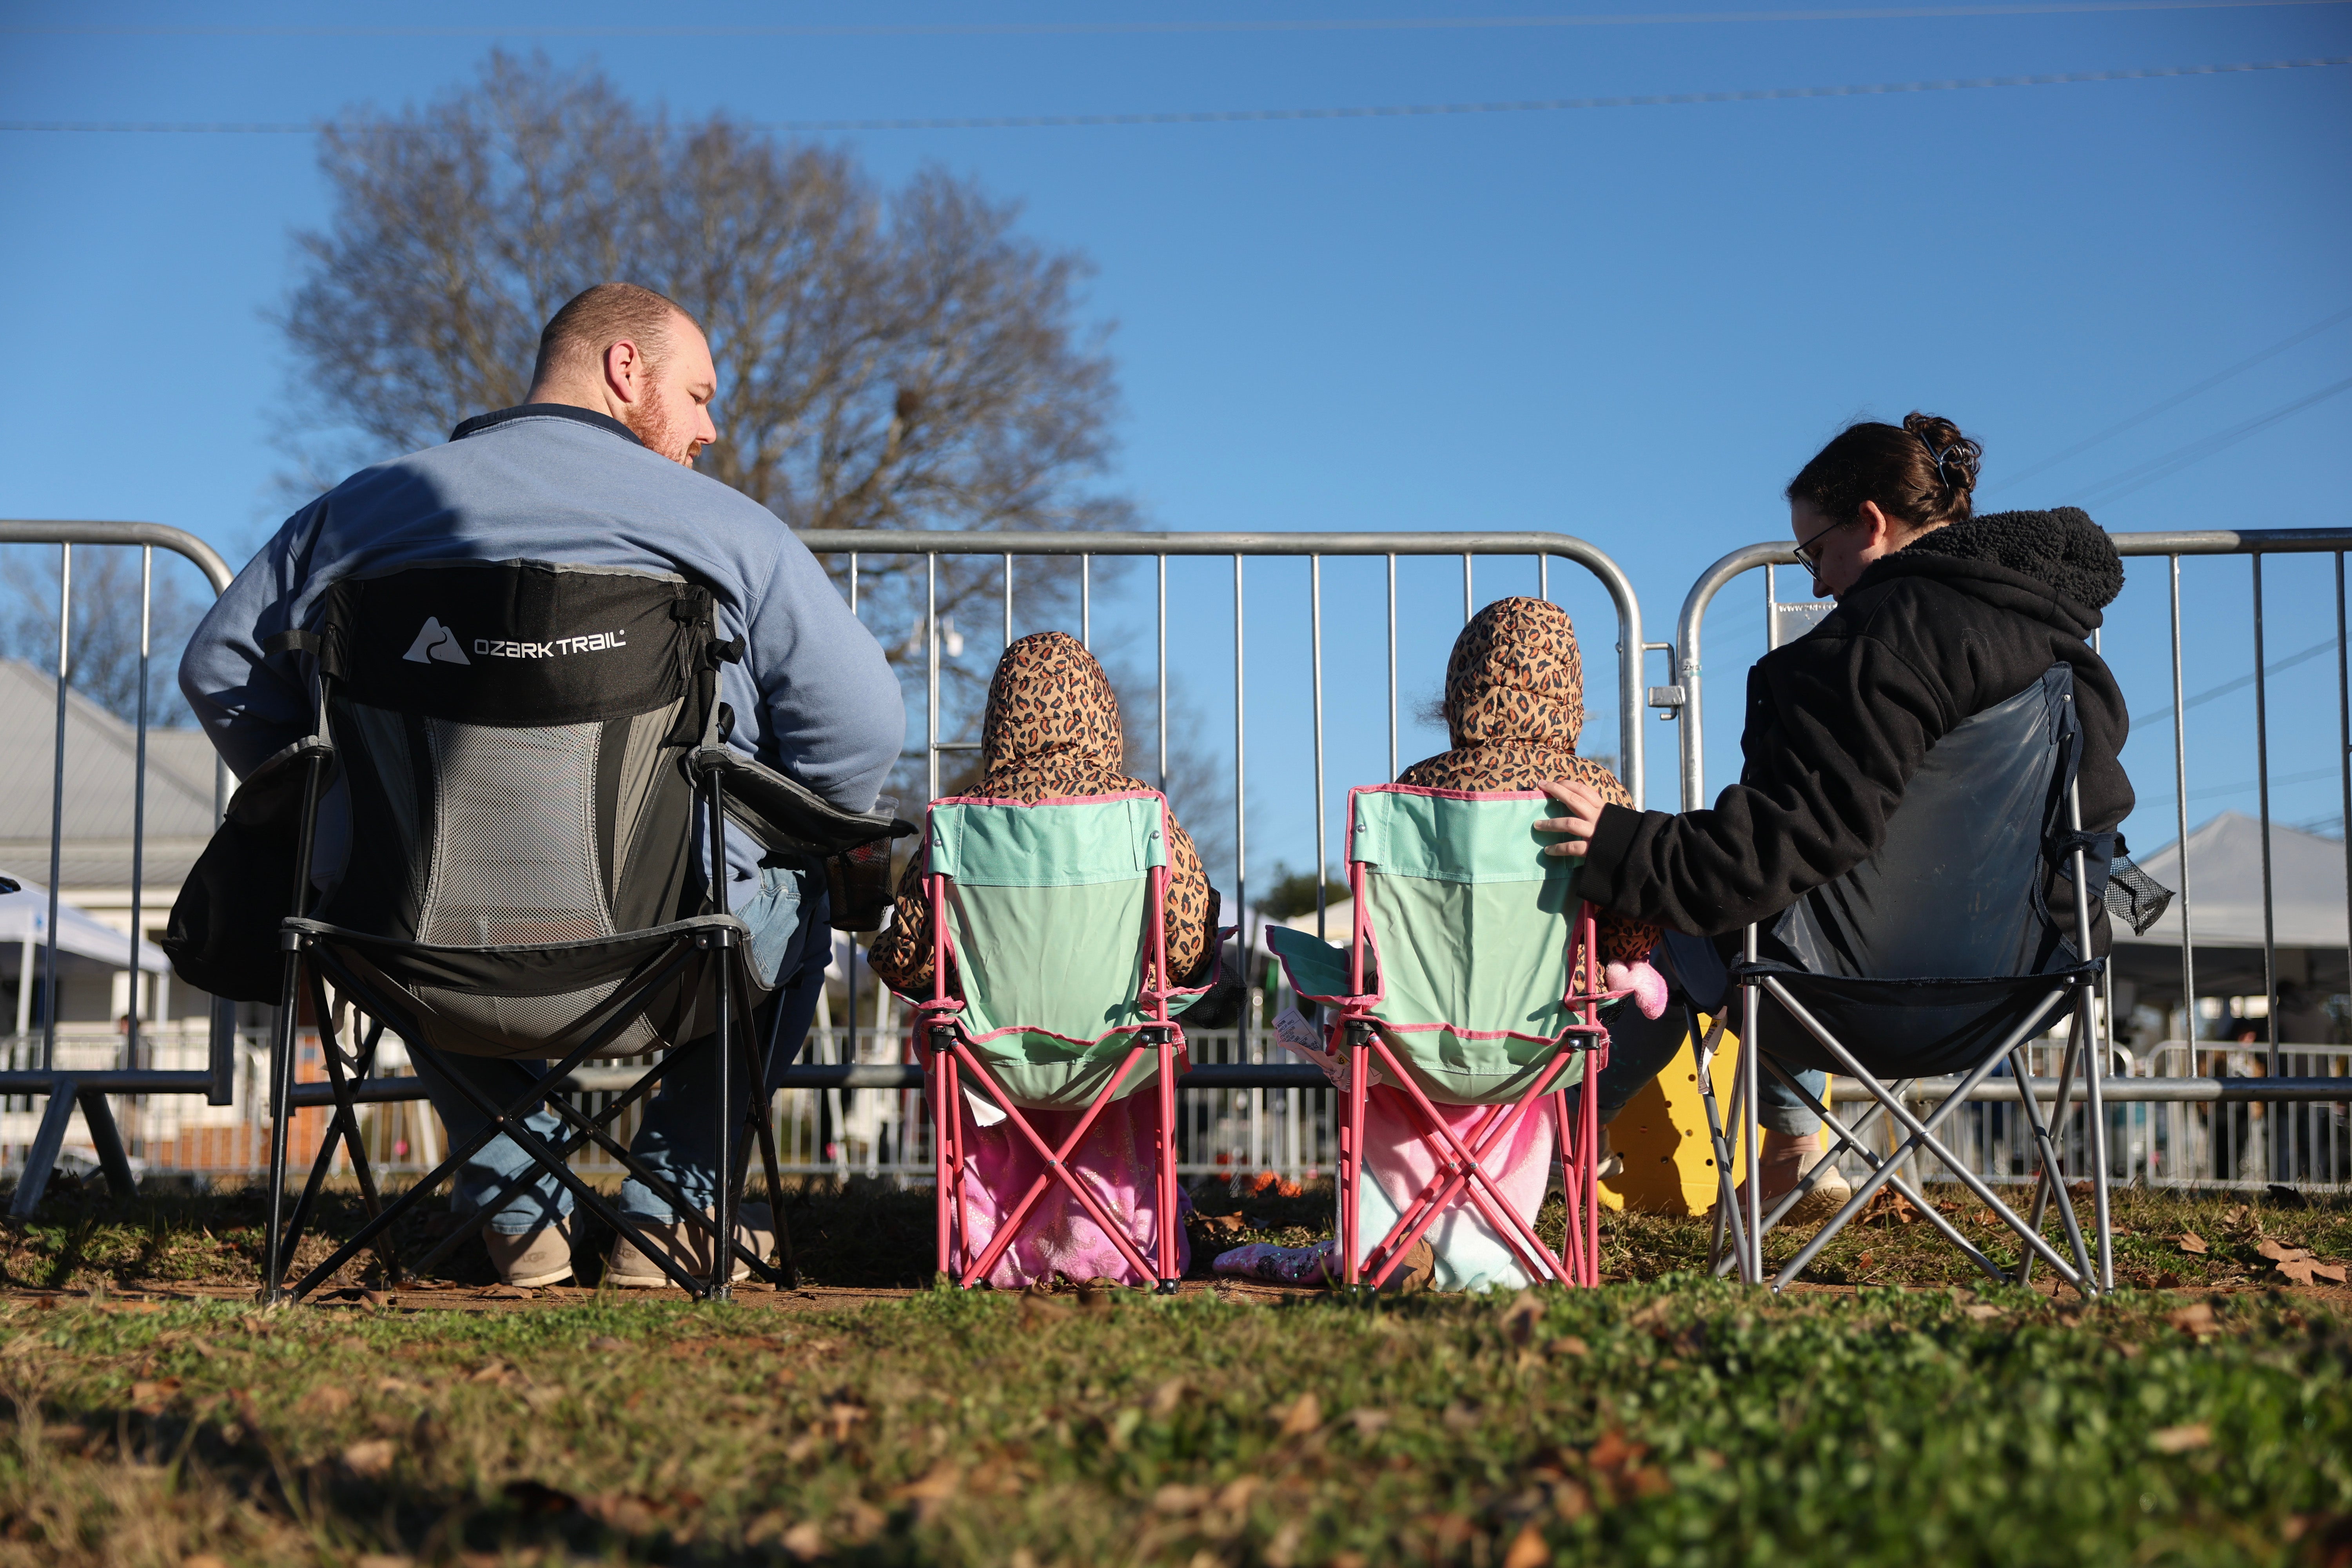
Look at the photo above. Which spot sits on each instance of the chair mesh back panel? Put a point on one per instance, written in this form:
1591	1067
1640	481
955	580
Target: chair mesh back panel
1957	887
515	855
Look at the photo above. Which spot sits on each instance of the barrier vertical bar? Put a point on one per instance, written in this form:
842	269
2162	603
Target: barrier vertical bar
2180	804
1085	602
139	805
1467	603
1241	812
2344	756
1543	577
931	669
2270	919
853	941
1008	601
853	581
1163	674
1392	684
1315	629
56	810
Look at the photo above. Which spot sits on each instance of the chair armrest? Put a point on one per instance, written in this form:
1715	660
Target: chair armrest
786	816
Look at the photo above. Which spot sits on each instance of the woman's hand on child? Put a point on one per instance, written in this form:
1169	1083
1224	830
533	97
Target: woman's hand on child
1583	803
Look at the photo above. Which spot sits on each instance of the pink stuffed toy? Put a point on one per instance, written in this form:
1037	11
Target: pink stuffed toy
1648	986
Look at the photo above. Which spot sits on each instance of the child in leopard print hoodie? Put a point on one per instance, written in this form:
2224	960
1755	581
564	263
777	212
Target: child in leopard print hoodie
1513	710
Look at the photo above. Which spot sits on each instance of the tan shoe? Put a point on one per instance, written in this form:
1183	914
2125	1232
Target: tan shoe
531	1257
630	1268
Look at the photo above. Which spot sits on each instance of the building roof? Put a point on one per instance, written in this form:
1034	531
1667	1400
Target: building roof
101	753
2225	886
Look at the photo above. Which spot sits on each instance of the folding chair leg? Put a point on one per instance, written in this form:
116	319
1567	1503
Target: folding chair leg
764	1124
2046	1179
2054	1170
1164	1177
2096	1107
277	1247
1727	1223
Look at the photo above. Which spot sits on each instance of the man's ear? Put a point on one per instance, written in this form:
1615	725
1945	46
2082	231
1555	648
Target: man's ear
624	370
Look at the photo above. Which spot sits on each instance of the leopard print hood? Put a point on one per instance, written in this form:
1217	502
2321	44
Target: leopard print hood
1516	676
1052	719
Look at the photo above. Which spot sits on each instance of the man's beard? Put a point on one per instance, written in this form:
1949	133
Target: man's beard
651	423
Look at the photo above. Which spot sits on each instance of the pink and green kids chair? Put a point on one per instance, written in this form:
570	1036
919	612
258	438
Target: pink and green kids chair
1052	919
1472	979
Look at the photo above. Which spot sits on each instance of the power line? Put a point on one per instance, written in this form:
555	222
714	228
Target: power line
1109	30
2138	478
1245	116
2176	400
2289	662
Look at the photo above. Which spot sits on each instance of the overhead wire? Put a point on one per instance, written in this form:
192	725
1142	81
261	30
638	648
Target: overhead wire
1243	116
2139	477
2176	400
1044	29
2227	687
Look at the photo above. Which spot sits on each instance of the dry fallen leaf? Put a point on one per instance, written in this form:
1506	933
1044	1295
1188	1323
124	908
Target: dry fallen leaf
2279	1252
804	1540
2190	1242
1981	1312
327	1399
1519	1320
1528	1549
1167	1396
2196	1318
370	1460
1179	1500
2181	1439
1369	1423
1302	1416
151	1397
1236	1494
2331	1272
1568	1344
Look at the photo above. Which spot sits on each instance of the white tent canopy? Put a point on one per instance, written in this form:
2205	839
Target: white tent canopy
2225	888
24	917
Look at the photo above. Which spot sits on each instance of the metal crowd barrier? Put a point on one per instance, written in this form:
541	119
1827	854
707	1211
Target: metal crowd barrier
1245	1110
2166	1127
37	1068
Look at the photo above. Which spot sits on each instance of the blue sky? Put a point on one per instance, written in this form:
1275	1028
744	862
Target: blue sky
1630	324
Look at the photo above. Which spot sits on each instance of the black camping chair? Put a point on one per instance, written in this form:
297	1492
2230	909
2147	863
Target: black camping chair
1939	954
524	745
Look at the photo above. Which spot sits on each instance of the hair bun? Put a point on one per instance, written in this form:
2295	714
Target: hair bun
1957	459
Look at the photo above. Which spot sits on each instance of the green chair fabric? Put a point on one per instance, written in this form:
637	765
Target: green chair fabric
1046	912
1469	928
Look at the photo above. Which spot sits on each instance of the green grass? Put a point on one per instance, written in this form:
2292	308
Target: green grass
872	1235
1678	1422
1660	1420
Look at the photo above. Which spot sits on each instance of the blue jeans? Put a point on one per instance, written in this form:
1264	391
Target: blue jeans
792	941
1640	1049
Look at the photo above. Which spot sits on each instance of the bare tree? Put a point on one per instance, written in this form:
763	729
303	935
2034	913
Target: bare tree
888	358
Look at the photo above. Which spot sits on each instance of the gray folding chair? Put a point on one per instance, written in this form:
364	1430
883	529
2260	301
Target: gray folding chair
1941	954
525	746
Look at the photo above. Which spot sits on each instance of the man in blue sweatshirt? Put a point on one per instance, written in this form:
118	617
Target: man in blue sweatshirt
594	468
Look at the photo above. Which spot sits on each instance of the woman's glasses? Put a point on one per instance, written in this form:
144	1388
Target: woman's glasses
1808	556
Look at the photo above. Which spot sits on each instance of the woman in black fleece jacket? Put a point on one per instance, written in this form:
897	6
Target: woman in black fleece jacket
1940	614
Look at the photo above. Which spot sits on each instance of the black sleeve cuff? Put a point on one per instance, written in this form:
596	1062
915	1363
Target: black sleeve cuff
1601	880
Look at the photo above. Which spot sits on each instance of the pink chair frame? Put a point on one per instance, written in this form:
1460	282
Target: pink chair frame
1462	1169
953	1060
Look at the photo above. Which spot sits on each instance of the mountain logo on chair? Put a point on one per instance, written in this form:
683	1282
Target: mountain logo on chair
436	642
